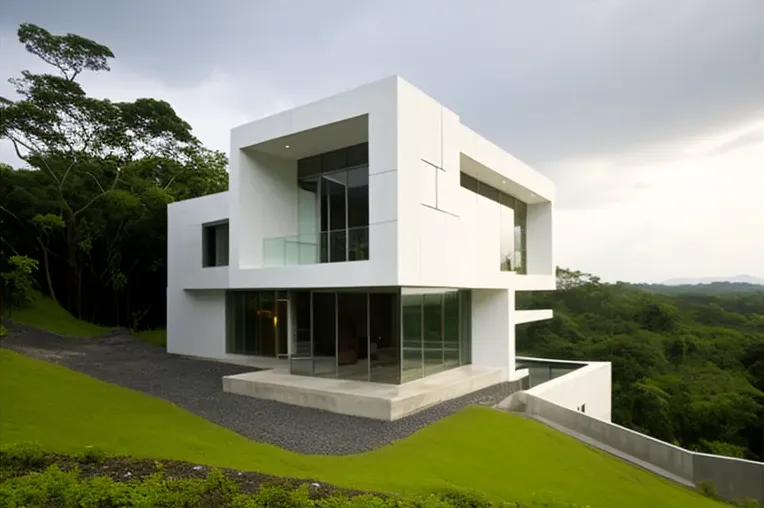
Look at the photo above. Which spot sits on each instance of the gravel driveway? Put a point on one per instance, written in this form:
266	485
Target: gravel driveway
196	385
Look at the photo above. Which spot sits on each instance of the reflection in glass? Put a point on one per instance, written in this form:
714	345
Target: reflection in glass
384	347
451	329
324	324
352	336
301	357
333	209
253	327
411	316
465	326
432	336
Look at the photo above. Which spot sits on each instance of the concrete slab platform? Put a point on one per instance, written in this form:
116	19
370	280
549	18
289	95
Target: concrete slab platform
358	398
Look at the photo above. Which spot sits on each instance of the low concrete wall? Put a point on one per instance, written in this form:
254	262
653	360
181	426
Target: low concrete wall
586	389
673	459
734	478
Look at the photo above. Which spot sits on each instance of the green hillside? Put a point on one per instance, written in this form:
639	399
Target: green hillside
478	449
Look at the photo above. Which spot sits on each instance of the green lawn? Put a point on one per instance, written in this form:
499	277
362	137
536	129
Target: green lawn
501	455
47	314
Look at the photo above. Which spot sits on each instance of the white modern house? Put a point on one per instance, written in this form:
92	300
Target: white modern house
369	250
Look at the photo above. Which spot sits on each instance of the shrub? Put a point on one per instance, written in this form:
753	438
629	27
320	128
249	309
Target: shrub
53	487
20	280
22	458
747	503
708	489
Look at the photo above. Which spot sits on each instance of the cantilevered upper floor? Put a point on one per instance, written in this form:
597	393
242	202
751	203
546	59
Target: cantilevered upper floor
376	186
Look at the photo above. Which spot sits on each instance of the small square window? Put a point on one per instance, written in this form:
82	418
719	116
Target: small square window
215	244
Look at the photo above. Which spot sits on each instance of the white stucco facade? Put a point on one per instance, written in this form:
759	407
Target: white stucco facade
426	229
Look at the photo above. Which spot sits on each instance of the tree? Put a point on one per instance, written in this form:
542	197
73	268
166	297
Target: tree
91	202
82	145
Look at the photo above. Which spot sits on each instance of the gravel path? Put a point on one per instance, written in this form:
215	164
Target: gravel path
196	385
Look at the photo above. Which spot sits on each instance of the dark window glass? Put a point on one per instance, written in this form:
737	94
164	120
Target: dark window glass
468	182
358	154
215	245
332	161
508	201
488	192
309	166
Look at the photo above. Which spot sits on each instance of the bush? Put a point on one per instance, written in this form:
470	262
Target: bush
22	458
19	279
747	503
54	487
708	489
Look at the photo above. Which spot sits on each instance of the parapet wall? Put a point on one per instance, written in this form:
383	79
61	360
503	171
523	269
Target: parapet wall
734	479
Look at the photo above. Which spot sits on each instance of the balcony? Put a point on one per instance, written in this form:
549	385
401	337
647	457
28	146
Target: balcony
334	246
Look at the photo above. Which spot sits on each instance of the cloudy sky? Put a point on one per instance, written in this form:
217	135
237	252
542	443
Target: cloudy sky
648	114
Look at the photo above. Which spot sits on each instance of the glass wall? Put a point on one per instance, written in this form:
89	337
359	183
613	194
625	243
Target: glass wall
381	336
333	209
434	337
257	323
346	335
513	224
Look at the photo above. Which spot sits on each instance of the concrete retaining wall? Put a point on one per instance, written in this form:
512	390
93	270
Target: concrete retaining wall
734	478
586	389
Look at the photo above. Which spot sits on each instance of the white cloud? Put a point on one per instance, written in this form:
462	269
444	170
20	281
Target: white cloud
697	215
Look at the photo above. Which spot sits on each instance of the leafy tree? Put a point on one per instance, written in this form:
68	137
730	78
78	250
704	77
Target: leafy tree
688	366
91	201
19	280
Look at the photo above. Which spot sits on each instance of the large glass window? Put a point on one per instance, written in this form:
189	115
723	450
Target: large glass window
346	335
256	323
384	337
433	333
512	224
384	345
334	206
411	325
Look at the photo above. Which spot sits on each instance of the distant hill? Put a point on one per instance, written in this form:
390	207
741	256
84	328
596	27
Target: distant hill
713	288
738	279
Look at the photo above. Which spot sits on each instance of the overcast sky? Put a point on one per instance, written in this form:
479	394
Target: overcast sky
648	114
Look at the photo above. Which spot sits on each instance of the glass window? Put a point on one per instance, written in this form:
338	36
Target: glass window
324	326
468	182
384	346
358	155
451	329
488	192
508	200
506	238
352	336
309	166
215	245
411	317
465	326
333	161
301	356
432	340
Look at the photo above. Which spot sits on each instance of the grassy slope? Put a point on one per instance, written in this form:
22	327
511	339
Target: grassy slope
47	314
156	337
501	455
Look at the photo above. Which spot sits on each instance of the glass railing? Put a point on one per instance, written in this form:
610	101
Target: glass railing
334	246
541	370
